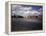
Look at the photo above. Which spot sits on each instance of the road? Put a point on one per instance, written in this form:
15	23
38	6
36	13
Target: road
21	24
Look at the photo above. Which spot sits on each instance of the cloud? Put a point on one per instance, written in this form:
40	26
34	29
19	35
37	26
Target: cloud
24	11
35	13
40	10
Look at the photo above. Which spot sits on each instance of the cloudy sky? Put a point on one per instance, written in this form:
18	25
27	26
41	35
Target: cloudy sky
26	10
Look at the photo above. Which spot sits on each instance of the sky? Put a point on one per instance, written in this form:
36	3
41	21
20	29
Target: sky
26	10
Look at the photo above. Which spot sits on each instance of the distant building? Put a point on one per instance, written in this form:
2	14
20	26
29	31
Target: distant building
35	15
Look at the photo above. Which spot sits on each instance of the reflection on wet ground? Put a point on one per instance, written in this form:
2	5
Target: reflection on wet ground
21	24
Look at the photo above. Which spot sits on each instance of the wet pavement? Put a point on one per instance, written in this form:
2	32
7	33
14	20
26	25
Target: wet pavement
21	24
